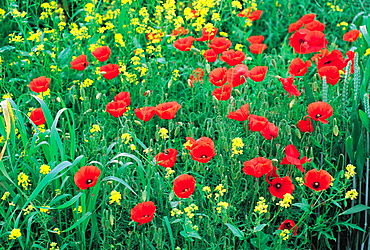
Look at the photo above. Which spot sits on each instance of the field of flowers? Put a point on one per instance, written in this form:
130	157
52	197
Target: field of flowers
204	124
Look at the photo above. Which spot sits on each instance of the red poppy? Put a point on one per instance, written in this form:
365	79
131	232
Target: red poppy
351	36
257	123
87	176
232	57
307	18
244	13
218	76
40	84
207	34
321	54
315	25
223	93
123	97
318	180
299	68
305	125
79	63
241	114
255	39
196	76
179	31
320	111
335	58
210	55
271	131
289	224
236	76
289	86
116	109
110	71
255	15
258	73
102	53
331	74
295	26
257	48
145	113
220	44
167	158
315	41
37	116
257	167
143	212
167	110
184	44
281	186
184	186
292	157
202	150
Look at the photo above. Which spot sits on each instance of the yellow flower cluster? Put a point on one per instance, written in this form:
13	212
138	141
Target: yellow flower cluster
285	234
222	206
176	212
54	246
49	8
352	194
237	144
221	191
169	172
126	138
95	128
261	206
28	209
190	209
44	169
350	171
15	234
334	7
287	201
115	196
163	133
5	195
367	52
299	180
79	33
23	180
44	209
86	83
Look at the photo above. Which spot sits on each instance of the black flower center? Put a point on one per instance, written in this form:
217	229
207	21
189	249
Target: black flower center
89	181
278	185
327	62
185	190
203	156
288	226
166	152
318	116
146	216
316	184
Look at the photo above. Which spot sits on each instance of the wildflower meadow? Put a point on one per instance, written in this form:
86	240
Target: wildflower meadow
184	125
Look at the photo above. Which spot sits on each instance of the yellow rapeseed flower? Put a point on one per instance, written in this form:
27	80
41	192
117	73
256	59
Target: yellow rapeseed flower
163	133
352	194
115	196
5	195
44	169
15	234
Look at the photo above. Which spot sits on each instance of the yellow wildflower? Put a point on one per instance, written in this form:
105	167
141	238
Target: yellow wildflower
352	194
15	234
44	169
115	196
287	201
5	195
163	133
261	206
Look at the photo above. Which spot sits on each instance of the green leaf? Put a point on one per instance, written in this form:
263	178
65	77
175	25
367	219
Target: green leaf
236	231
168	225
349	148
77	223
350	225
303	206
365	119
356	209
259	227
64	56
113	178
70	202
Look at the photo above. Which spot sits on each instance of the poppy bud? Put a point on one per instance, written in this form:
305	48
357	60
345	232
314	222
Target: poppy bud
138	123
335	130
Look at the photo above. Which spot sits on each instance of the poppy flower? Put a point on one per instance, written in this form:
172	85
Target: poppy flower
116	109
257	123
307	18
79	63
210	55
289	86
315	25
255	39
110	71
218	76
315	41
123	97
321	54
167	158
184	186
201	150
292	157
145	113
143	212
271	131
40	84
255	15
257	167
295	26
167	110
280	186
305	125
220	44
331	74
37	116
258	73
257	48
207	34
184	44
299	68
335	58
351	36
87	176
223	93
320	111
236	76
289	224
232	57
179	31
102	53
241	114
191	142
317	180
